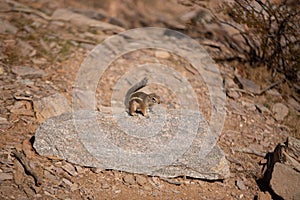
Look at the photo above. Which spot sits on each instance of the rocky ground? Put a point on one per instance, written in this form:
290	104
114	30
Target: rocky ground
42	46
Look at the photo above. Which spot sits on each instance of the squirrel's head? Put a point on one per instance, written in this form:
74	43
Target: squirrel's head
154	98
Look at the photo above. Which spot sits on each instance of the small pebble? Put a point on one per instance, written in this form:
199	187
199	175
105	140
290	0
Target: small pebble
129	179
240	184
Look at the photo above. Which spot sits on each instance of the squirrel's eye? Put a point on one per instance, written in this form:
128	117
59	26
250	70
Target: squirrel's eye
153	99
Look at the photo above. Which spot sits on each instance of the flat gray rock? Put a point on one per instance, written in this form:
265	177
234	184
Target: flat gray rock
167	144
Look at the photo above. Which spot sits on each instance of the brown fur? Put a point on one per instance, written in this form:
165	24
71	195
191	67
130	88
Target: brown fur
140	102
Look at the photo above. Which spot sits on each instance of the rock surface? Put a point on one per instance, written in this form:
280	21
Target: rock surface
282	173
7	27
29	72
81	20
247	85
280	111
59	135
49	106
285	182
240	184
293	103
129	179
5	176
3	121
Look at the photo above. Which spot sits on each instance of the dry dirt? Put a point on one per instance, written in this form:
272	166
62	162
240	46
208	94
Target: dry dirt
58	48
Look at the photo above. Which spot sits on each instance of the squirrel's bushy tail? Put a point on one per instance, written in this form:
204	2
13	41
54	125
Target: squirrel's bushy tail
133	89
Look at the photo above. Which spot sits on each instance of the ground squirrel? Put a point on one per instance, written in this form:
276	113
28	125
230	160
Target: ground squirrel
140	101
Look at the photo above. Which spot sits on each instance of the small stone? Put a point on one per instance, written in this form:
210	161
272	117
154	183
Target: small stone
18	173
29	72
24	48
39	61
7	27
29	191
96	170
229	83
105	186
129	179
233	94
203	16
240	184
162	54
156	183
175	191
58	164
174	181
186	182
249	106
5	176
141	180
117	191
21	108
247	84
147	188
50	106
240	169
74	187
38	196
273	92
3	121
293	103
79	169
280	111
22	111
69	168
51	177
67	182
